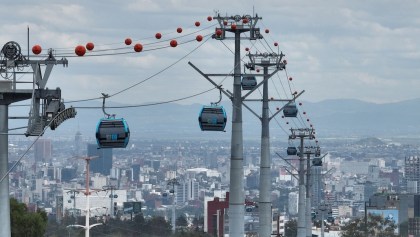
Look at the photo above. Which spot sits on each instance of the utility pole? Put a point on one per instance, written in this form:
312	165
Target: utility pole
73	196
301	133
173	182
265	60
308	152
11	60
237	25
87	225
111	196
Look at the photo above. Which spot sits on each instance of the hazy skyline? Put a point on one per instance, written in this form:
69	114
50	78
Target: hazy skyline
335	49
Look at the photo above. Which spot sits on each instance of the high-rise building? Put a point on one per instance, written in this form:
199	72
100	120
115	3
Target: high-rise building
317	186
103	162
412	174
187	191
293	203
78	144
43	150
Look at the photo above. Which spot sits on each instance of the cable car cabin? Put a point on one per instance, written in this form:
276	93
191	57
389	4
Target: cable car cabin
291	151
112	133
290	110
248	82
212	118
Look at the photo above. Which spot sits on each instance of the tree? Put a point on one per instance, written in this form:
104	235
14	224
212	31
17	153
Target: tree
376	226
24	223
181	221
290	228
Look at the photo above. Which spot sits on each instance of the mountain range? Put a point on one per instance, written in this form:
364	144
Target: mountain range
330	118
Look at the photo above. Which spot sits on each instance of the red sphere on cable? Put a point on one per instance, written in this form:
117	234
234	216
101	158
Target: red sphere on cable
219	32
258	70
267	31
245	20
276	44
285	61
300	103
278	108
225	23
304	112
158	35
209	18
247	49
173	43
290	78
199	38
197	23
287	122
307	120
128	41
80	50
90	46
138	47
233	26
36	49
179	30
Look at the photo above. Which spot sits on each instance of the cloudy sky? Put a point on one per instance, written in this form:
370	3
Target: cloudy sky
367	50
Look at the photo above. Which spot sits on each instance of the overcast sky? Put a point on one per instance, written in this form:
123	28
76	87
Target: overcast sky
366	50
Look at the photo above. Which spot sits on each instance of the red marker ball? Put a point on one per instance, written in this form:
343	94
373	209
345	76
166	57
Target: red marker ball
233	26
290	78
158	35
173	43
209	18
199	38
36	49
276	44
267	31
197	23
246	49
90	46
80	50
219	32
138	47
179	30
128	41
245	20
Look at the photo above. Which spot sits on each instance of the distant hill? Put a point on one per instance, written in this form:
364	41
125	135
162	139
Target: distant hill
335	118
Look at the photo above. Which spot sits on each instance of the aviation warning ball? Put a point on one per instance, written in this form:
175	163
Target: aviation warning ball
197	23
90	46
233	26
267	31
287	122
128	41
247	49
285	61
258	70
278	108
199	38
158	35
173	43
225	23
304	112
219	32
209	18
179	30
80	50
290	78
300	103
307	120
276	44
36	49
245	20
138	47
